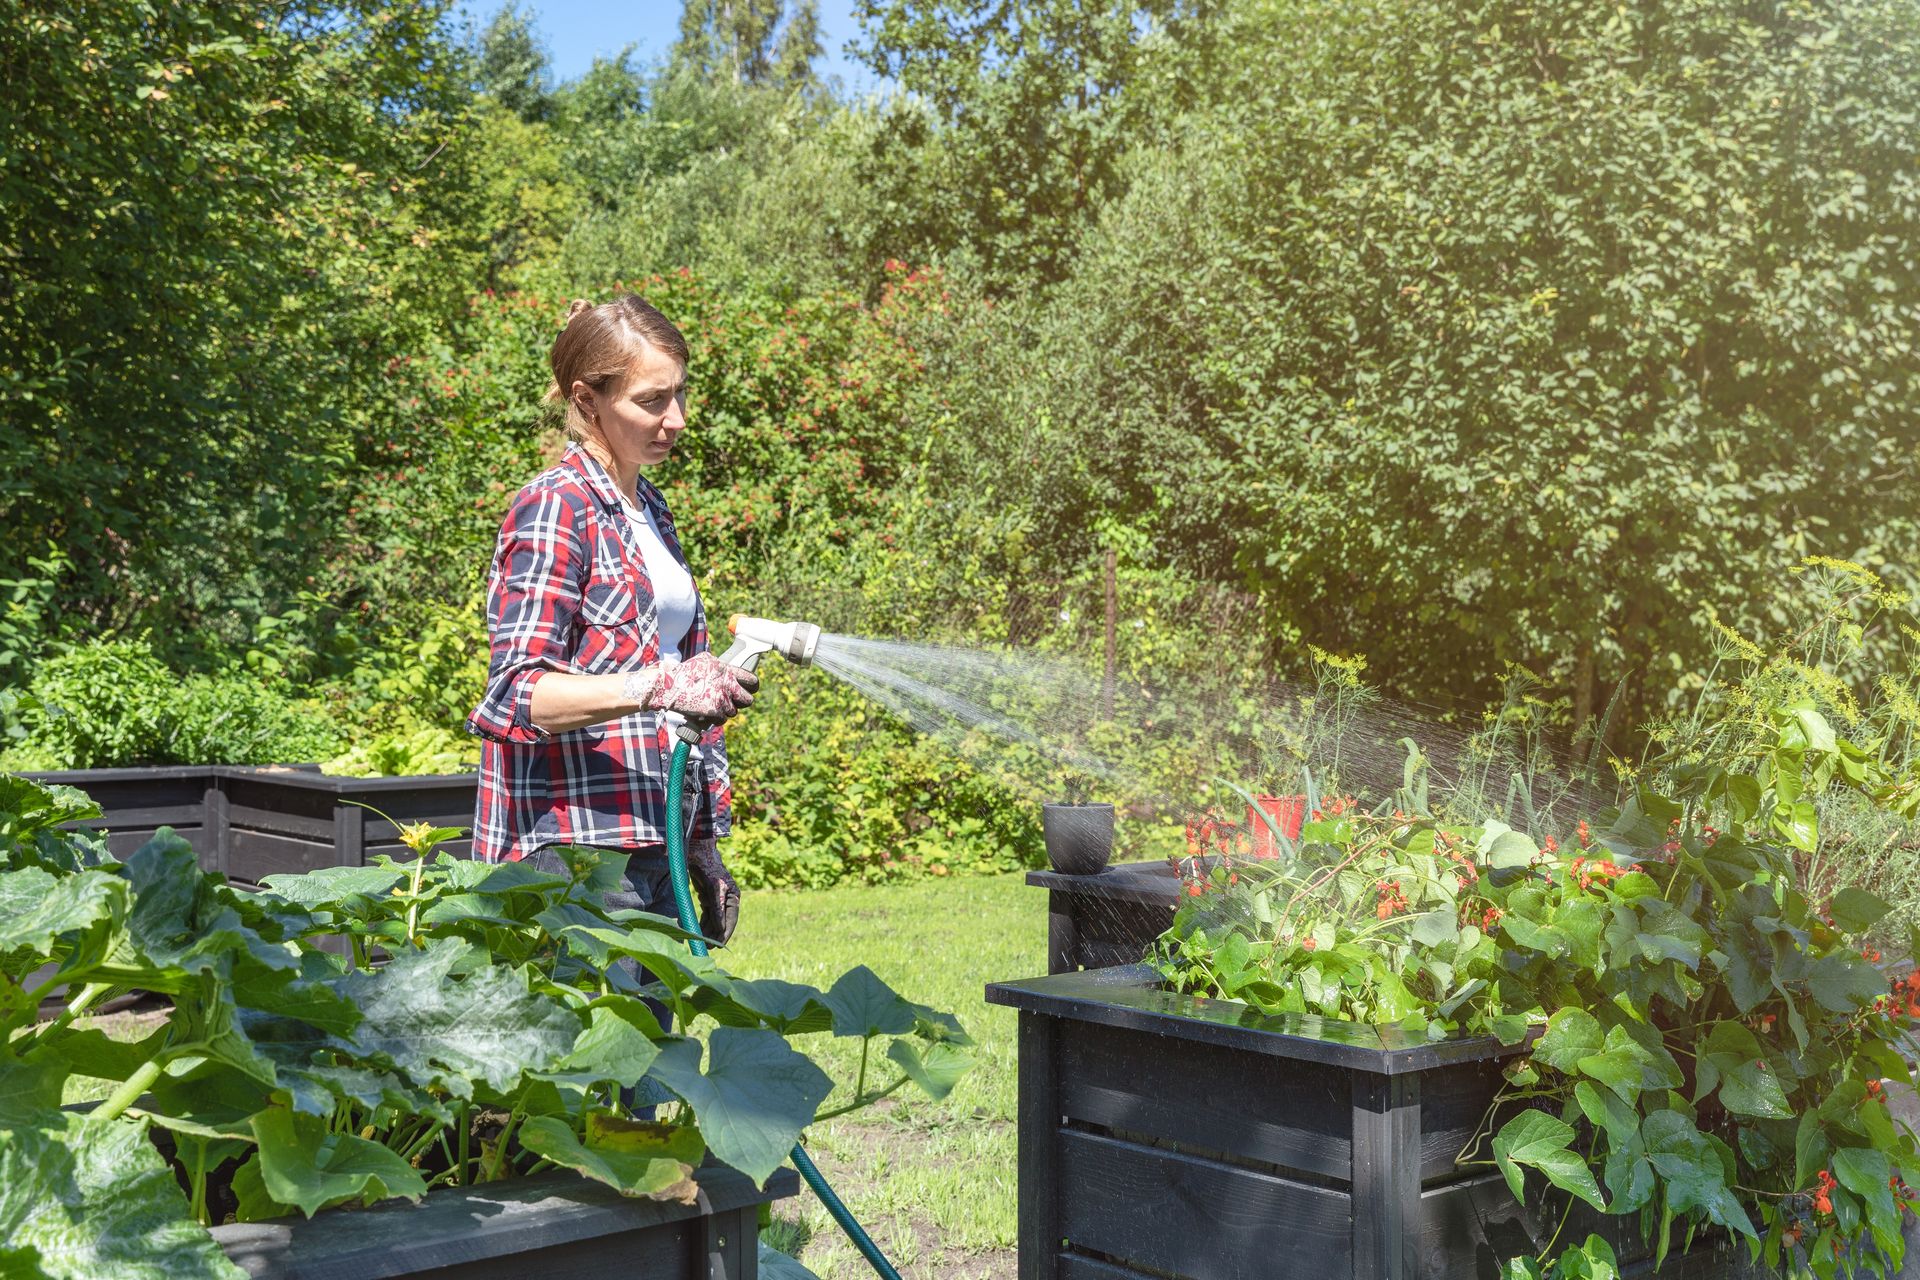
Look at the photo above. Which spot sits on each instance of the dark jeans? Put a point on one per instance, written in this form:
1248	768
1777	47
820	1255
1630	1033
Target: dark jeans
647	886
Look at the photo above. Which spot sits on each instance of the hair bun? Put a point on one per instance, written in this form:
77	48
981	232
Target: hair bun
577	306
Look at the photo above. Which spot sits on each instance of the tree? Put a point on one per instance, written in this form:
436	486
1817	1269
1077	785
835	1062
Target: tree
512	66
1032	106
751	42
217	223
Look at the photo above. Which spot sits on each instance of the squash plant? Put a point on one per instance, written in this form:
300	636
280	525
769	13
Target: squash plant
375	1031
1712	1046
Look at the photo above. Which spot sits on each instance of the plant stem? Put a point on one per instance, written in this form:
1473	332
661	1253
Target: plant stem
499	1161
860	1102
466	1136
425	1140
123	1097
860	1084
79	1005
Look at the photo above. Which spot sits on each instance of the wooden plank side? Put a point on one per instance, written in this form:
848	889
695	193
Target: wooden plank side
1386	1175
1062	953
278	821
1199	1219
254	855
1038	1117
148	816
665	1251
1208	1099
1075	1267
1453	1101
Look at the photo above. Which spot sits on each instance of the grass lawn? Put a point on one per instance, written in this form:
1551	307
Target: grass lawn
932	1182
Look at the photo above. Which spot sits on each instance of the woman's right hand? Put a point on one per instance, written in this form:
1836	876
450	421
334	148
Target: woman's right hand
701	688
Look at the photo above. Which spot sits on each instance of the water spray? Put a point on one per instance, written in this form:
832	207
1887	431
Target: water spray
753	639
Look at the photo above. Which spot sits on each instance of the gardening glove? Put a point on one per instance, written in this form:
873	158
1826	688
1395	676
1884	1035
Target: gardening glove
719	895
703	688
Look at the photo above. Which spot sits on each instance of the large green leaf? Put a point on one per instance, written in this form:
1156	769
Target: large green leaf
935	1067
863	1005
1572	1034
754	1100
1867	1173
1604	1108
1856	910
791	1008
1730	1058
93	1200
1844	981
332	886
637	1158
36	907
439	1028
30	1090
1538	1140
612	1047
1697	1169
1627	1065
306	1165
1502	846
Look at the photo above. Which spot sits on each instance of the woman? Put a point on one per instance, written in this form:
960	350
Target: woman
599	640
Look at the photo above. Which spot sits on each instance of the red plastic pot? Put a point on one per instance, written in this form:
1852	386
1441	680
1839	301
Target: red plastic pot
1285	812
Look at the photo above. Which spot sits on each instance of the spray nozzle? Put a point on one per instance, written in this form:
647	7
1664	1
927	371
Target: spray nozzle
753	637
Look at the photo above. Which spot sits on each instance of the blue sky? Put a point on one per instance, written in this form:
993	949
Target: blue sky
576	31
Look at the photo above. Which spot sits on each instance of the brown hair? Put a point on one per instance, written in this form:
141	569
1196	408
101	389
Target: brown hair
598	346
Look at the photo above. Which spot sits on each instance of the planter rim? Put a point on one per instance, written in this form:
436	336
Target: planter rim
123	773
303	776
1131	997
458	1225
306	780
1151	881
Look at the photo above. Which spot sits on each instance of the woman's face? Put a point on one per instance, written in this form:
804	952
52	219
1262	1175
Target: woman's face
640	417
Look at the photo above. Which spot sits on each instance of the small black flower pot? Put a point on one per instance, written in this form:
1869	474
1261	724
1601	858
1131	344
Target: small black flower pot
1079	837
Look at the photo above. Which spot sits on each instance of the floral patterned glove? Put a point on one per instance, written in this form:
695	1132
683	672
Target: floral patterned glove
701	688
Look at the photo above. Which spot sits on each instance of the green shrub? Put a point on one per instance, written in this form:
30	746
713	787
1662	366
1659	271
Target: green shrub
112	703
422	749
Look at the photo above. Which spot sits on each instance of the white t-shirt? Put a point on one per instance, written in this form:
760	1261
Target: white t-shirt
673	593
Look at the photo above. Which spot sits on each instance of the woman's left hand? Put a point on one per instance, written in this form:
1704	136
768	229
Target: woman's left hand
714	886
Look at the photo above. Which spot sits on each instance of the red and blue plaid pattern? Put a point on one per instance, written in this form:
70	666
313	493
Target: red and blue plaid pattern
569	591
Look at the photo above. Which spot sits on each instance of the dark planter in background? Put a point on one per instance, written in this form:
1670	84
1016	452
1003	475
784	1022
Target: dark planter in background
1106	919
249	822
1164	1135
1079	837
553	1225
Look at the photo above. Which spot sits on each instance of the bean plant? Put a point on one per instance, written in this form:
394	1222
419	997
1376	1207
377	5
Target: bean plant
1710	1045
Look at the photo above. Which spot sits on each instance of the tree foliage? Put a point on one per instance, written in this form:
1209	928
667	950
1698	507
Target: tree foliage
1493	333
218	221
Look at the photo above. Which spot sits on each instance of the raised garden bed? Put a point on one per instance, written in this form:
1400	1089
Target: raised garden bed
251	822
1108	918
554	1225
1171	1137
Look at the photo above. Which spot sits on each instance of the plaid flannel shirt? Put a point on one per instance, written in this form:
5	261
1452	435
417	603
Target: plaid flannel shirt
568	591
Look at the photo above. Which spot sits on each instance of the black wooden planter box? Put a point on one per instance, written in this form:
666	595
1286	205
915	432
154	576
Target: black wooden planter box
1169	1137
249	823
1109	918
555	1225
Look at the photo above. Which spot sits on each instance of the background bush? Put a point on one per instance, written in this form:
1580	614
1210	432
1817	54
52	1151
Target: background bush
112	703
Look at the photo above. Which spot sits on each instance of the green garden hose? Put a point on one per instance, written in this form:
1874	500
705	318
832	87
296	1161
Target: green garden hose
683	904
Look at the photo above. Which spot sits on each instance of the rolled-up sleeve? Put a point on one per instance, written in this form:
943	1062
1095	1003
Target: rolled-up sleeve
533	594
